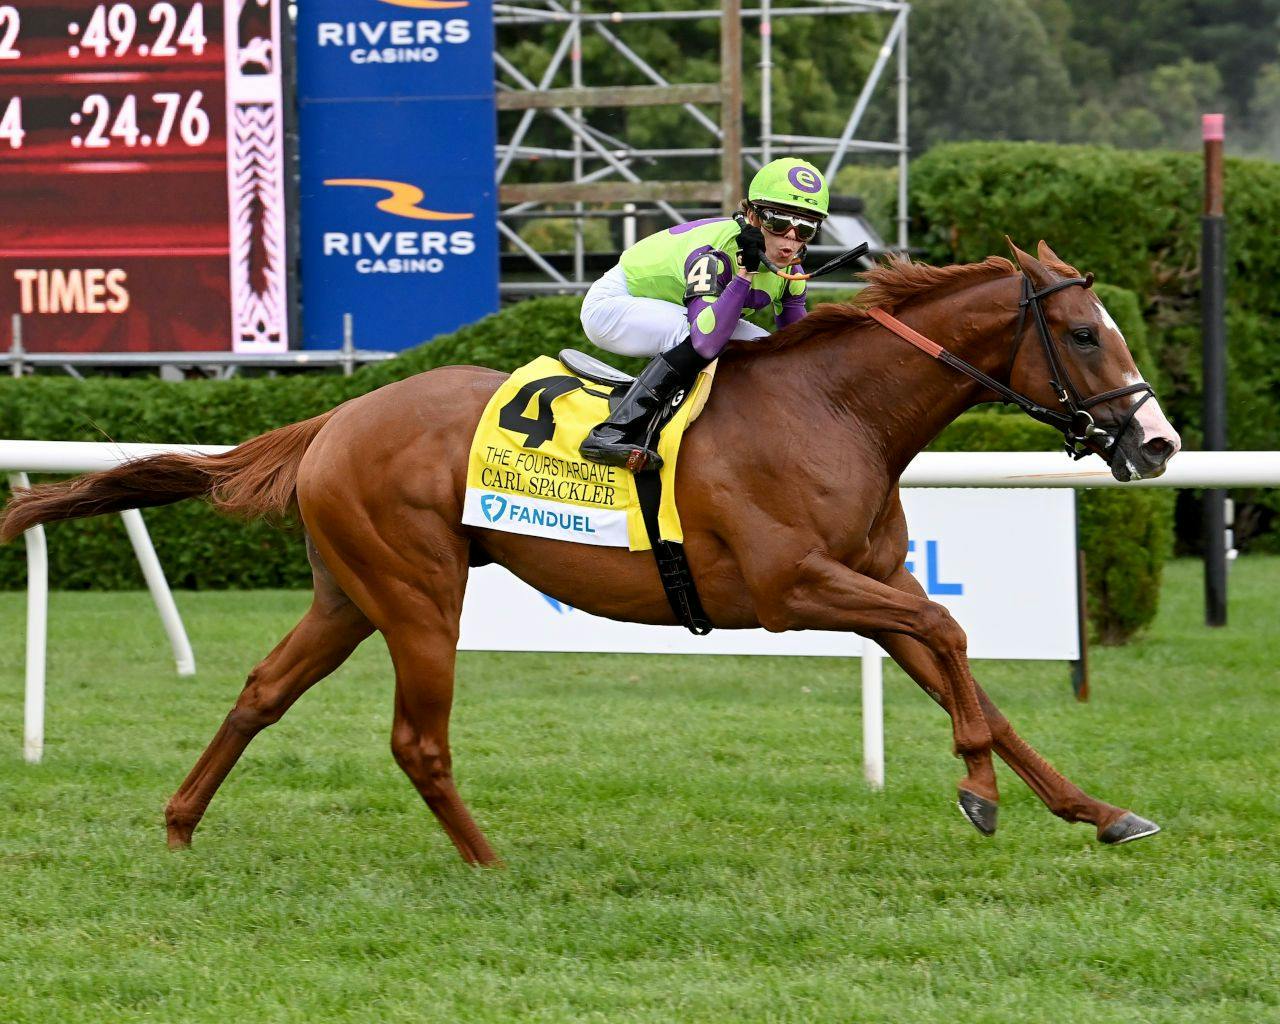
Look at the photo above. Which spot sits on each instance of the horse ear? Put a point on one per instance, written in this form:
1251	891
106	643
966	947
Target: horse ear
1038	273
1046	254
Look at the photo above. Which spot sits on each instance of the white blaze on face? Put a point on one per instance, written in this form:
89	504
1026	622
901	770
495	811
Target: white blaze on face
1106	318
1150	417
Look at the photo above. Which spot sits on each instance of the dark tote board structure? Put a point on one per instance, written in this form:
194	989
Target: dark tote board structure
142	176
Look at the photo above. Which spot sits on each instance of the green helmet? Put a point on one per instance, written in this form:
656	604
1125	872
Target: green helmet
793	183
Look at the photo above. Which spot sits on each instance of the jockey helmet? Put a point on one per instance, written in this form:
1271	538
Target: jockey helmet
792	184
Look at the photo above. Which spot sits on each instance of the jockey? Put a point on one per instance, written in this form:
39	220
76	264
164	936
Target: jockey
681	295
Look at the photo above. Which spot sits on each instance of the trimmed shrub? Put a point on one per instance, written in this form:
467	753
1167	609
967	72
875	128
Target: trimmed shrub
1133	219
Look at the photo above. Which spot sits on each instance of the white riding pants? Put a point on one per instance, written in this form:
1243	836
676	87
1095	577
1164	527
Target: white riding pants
628	325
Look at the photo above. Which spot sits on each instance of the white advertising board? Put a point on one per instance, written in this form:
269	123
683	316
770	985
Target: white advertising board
1003	562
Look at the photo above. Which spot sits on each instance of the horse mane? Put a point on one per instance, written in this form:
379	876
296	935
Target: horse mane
896	282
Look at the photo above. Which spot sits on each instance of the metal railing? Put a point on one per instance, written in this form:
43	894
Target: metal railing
929	469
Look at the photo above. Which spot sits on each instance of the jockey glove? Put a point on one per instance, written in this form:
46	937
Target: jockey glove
750	247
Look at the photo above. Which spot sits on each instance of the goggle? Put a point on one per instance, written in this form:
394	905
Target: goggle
778	223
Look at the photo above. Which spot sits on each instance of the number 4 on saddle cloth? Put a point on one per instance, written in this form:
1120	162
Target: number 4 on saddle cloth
525	474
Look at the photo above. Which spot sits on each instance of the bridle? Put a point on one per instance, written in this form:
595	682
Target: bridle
1082	435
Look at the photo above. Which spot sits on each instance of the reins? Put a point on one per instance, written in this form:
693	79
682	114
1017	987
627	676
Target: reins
1081	434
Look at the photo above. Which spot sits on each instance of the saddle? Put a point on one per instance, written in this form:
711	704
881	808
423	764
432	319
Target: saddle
595	370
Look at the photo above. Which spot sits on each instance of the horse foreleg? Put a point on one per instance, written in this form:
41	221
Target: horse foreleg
818	592
324	638
1062	796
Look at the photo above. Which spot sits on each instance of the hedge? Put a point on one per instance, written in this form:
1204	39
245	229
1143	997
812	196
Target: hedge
202	550
1133	219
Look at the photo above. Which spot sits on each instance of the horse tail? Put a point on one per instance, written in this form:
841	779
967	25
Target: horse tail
256	479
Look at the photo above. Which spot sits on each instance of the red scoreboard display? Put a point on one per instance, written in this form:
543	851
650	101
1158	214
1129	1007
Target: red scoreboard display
142	175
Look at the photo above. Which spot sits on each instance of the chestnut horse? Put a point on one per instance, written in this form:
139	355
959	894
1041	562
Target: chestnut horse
788	490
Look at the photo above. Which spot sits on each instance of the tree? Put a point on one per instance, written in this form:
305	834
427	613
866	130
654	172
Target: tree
983	71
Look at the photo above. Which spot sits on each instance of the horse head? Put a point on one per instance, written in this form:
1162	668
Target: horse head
1081	366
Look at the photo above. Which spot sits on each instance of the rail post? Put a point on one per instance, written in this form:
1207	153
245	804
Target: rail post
348	345
16	345
873	713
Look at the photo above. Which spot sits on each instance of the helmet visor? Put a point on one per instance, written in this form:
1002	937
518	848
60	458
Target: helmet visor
776	222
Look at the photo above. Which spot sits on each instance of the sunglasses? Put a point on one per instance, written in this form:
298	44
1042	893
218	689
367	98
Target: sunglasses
778	223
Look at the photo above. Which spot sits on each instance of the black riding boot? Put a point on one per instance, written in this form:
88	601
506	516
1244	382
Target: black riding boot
620	440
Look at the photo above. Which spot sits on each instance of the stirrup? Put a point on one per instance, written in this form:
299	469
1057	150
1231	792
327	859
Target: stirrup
623	453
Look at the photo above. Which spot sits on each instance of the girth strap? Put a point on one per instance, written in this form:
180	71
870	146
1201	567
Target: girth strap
673	567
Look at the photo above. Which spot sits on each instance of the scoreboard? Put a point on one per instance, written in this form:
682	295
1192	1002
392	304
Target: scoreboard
142	175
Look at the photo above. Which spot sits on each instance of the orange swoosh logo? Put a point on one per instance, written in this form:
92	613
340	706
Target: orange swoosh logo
428	5
403	199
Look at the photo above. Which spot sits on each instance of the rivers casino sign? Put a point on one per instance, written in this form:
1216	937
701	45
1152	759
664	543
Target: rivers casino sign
142	175
399	207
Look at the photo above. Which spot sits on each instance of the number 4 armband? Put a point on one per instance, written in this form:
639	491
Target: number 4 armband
702	276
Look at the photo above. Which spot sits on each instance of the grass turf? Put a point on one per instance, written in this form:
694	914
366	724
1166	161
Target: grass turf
687	838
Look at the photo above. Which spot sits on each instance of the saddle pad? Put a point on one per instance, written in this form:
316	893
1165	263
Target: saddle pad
525	474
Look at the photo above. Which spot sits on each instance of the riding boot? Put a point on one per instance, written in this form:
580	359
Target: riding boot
624	438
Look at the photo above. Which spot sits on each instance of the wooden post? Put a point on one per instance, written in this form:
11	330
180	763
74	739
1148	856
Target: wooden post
731	103
1214	363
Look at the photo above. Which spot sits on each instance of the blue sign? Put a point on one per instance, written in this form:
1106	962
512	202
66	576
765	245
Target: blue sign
383	49
399	224
398	202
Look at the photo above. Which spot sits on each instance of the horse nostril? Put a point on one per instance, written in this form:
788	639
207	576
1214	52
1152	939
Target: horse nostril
1158	448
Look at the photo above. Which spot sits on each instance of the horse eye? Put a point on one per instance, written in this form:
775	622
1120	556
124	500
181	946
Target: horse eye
1085	336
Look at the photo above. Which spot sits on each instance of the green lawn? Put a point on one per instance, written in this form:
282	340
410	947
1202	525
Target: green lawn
688	839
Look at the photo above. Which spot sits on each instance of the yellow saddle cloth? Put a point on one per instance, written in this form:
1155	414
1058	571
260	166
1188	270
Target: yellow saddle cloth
525	474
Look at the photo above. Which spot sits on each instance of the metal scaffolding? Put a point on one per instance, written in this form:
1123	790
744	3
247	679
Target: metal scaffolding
605	171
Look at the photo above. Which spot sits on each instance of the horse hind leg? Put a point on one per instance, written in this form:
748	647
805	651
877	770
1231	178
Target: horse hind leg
321	641
424	663
415	600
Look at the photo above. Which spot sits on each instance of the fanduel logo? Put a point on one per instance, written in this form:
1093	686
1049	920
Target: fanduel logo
398	252
493	505
931	570
495	508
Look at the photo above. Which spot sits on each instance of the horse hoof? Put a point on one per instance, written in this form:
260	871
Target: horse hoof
1126	829
178	836
979	810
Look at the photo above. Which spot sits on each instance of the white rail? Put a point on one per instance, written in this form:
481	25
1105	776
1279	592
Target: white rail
20	457
930	469
1056	469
